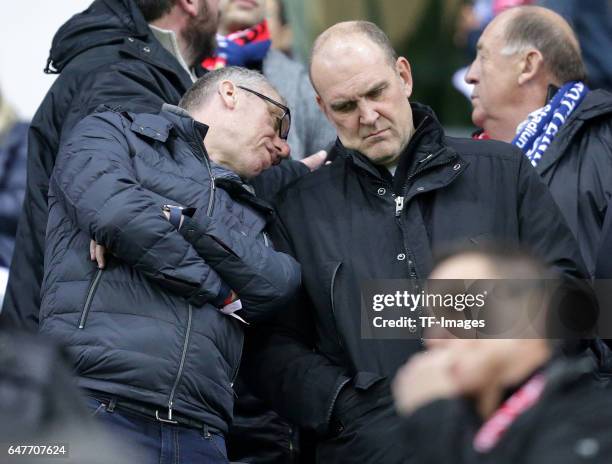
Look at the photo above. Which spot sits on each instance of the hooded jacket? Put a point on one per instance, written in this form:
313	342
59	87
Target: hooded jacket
147	327
343	224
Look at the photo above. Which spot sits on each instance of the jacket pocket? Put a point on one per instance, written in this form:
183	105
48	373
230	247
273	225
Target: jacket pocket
89	298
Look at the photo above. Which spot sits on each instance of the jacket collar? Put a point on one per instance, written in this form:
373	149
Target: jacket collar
426	145
597	103
174	117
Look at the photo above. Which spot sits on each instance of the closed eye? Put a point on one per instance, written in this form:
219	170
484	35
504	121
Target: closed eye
377	92
344	107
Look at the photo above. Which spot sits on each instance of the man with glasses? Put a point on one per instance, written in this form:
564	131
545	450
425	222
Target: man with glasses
155	327
283	121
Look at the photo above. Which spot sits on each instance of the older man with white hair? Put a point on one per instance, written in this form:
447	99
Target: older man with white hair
529	90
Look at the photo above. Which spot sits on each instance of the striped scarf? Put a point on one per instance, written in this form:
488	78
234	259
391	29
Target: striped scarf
242	48
536	133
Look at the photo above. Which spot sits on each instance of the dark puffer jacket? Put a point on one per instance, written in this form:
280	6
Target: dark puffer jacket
144	327
104	55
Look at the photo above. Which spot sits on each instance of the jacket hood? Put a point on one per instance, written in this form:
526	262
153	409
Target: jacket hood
104	22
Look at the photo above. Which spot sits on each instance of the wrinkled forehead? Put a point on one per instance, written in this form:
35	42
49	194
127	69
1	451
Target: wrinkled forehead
493	37
348	65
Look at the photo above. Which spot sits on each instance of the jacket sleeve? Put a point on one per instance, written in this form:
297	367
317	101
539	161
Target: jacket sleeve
265	280
281	366
95	181
270	182
542	226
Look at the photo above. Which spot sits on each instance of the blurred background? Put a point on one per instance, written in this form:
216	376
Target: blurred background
427	32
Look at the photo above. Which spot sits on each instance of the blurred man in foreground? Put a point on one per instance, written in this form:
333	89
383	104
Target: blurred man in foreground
503	400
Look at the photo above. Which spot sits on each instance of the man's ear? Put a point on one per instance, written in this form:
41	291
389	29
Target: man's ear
227	91
530	66
402	66
191	7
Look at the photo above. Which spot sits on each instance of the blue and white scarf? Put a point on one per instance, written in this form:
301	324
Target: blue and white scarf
536	133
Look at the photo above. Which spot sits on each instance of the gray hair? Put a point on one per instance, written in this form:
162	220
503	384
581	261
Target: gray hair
205	86
528	28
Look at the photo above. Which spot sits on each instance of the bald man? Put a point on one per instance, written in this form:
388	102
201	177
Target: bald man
529	90
398	191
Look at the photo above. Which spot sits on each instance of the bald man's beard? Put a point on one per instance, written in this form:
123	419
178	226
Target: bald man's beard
200	35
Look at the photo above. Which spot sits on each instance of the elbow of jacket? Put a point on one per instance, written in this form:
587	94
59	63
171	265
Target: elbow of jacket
281	298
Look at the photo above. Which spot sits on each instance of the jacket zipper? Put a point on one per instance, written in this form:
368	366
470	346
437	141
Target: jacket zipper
237	368
400	203
213	187
399	200
330	411
89	299
181	365
333	306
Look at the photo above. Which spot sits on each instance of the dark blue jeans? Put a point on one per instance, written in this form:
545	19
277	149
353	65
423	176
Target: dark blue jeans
161	443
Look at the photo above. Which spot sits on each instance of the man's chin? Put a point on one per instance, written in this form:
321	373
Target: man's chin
383	153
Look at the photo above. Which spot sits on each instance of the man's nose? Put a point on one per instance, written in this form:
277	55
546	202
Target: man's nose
367	114
282	147
471	75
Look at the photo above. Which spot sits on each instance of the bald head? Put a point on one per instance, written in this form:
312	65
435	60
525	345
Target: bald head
344	36
546	31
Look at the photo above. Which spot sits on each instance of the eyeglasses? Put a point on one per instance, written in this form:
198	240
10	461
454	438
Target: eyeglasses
284	122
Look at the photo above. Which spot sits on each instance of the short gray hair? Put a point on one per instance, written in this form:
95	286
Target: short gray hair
559	48
205	86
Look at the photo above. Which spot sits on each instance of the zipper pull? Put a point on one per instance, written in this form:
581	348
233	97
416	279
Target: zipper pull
399	205
429	155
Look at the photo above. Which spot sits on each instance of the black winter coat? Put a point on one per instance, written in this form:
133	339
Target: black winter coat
340	223
577	167
570	423
144	328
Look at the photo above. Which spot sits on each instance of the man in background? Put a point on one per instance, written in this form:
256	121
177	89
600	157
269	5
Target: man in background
244	40
529	90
